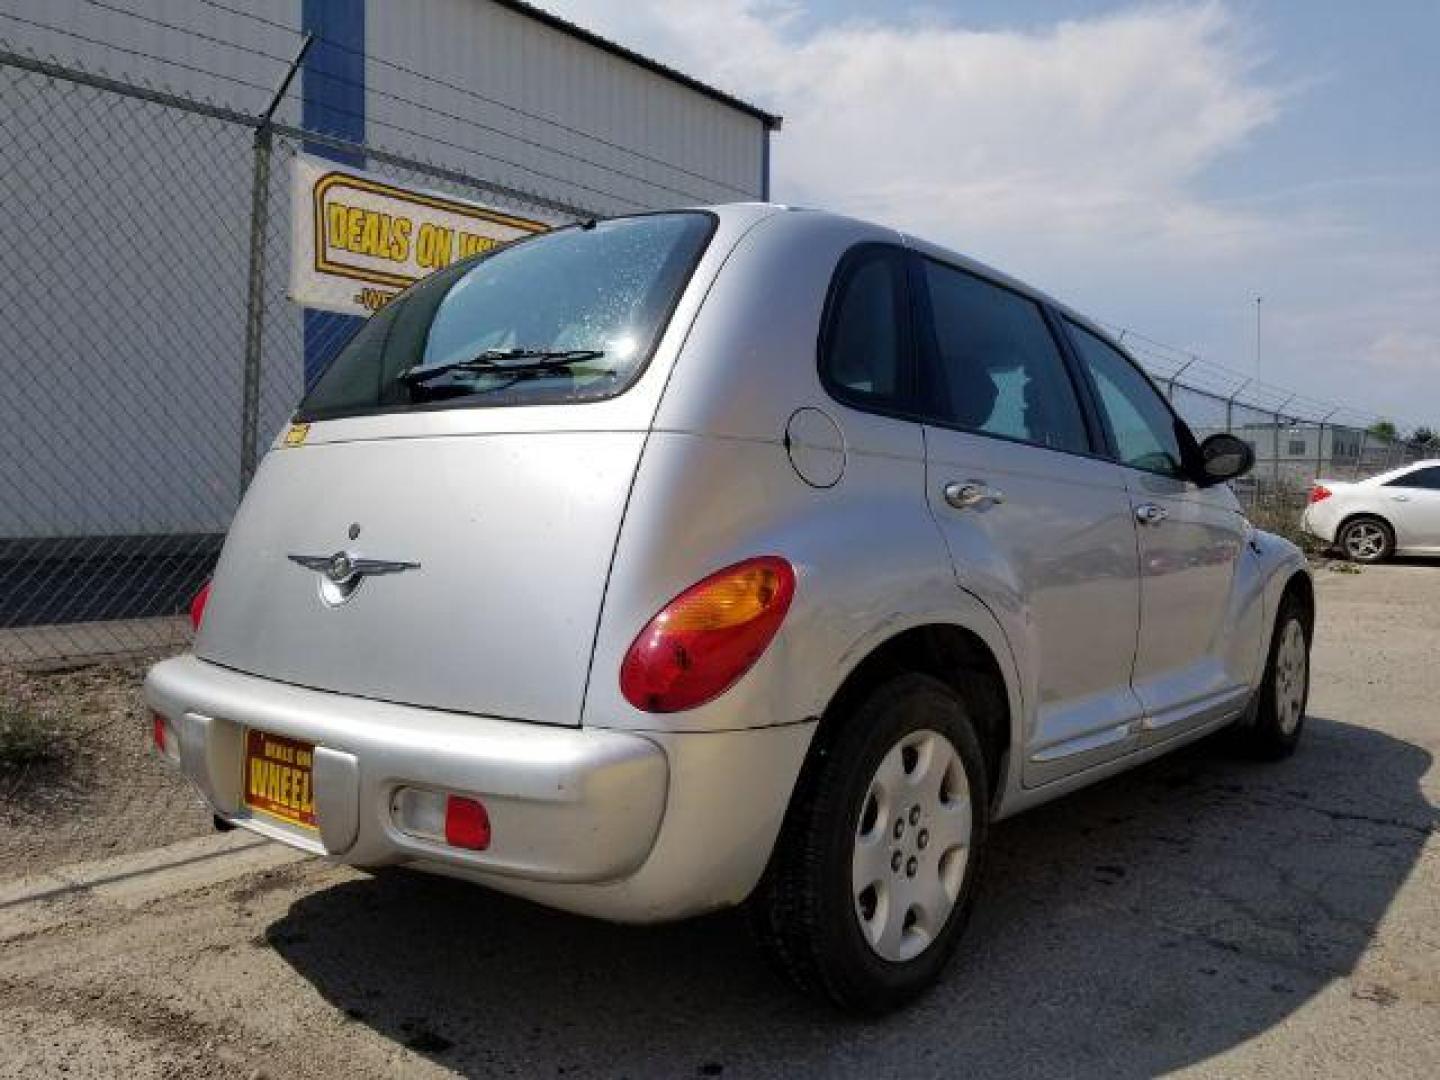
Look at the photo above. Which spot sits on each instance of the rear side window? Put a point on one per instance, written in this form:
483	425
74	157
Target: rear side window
1144	429
1427	478
863	346
600	293
993	365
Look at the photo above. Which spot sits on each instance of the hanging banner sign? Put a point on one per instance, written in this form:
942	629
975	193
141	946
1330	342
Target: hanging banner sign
358	239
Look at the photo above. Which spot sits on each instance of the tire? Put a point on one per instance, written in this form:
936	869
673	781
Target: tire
1272	729
1367	539
871	949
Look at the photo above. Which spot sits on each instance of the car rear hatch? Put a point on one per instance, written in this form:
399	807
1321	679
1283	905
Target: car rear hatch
444	538
500	544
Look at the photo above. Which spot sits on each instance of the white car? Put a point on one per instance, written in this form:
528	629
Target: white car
653	565
1395	513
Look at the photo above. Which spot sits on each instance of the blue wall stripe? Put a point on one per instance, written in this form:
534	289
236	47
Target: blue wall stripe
332	102
765	165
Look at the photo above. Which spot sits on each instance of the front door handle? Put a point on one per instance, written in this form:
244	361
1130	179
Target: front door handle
1150	514
971	493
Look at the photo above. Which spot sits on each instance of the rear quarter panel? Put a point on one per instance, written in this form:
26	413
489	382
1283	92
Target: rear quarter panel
715	485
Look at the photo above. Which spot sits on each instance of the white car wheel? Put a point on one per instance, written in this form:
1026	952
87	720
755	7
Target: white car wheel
911	845
1366	540
1292	677
874	874
1271	728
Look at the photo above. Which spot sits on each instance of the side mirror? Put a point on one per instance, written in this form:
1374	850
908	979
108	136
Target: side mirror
1224	457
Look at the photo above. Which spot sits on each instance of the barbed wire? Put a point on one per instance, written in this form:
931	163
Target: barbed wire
423	137
75	35
411	103
1166	362
560	125
1170	363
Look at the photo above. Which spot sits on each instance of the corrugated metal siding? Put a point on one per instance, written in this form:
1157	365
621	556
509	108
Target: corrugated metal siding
540	110
214	54
126	329
123	353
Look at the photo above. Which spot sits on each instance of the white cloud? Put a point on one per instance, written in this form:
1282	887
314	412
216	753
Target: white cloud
1094	127
1408	351
1076	155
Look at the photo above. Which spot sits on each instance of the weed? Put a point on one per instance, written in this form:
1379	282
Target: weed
29	738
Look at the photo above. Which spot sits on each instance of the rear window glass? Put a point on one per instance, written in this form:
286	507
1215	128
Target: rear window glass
862	357
569	315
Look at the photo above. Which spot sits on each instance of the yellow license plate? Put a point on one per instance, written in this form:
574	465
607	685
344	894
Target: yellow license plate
278	775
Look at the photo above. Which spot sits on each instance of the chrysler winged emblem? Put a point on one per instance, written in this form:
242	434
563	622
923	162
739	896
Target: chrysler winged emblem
342	572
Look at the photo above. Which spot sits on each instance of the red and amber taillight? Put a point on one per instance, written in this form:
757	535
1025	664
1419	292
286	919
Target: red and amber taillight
197	606
704	640
164	739
1319	492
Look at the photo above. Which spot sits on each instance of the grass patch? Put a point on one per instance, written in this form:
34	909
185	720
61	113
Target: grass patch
29	738
1283	520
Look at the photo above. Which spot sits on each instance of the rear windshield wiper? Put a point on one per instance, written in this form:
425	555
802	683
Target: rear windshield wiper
503	362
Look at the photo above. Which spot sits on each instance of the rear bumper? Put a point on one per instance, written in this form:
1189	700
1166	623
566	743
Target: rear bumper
624	826
1318	522
565	804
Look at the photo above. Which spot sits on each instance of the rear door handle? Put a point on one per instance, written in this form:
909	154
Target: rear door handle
971	493
1150	514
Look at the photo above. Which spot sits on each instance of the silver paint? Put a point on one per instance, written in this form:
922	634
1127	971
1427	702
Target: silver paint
549	535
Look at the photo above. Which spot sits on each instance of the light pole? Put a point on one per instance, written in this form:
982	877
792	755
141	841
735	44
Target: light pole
1258	299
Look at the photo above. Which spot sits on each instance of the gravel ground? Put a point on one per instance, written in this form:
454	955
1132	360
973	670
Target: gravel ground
1200	915
103	793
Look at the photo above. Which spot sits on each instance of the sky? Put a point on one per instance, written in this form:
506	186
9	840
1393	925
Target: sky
1156	165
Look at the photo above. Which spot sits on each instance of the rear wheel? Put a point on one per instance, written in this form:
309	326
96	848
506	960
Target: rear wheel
1367	540
1272	731
873	877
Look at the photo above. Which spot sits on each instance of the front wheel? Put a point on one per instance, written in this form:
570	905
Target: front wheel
1272	729
874	874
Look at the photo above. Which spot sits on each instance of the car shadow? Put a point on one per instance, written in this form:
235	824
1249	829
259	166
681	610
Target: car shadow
1144	924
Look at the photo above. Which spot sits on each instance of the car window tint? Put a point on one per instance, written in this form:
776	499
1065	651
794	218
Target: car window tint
863	340
1427	478
607	287
994	366
1140	422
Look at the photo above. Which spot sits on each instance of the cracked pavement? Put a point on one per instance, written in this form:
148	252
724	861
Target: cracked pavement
1201	915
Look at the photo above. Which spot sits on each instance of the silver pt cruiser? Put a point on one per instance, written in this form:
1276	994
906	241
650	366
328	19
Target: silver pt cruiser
750	554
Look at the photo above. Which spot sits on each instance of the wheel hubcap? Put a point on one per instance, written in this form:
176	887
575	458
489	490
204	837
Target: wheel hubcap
1364	540
912	845
1292	664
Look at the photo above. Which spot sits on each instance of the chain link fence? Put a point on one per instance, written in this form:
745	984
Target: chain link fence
150	351
1296	440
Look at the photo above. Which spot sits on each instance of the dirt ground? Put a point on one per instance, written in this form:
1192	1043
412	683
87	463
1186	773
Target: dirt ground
1201	915
102	793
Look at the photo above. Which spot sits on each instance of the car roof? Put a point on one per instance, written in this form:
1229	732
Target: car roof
1403	470
937	251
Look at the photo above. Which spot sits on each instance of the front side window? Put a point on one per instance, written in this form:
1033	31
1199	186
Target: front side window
1144	429
993	365
862	353
572	314
1427	479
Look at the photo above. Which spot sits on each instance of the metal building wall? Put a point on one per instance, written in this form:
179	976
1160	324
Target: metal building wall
577	123
114	197
213	49
123	375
